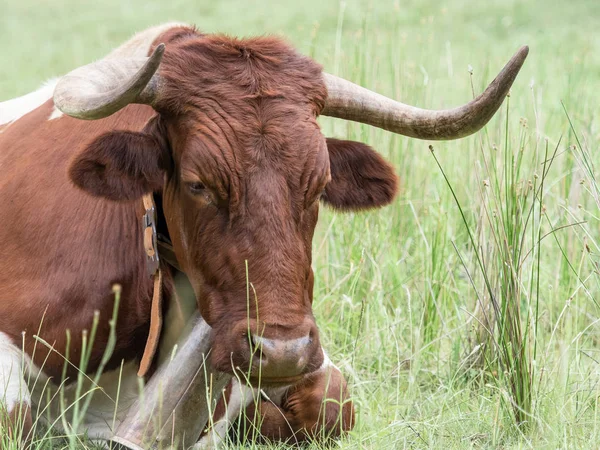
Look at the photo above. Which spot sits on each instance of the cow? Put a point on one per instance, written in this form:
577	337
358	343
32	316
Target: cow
222	133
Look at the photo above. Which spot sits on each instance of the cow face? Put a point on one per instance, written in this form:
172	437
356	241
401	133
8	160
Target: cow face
239	159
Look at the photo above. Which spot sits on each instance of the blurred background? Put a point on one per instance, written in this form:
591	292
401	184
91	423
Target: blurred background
465	314
44	38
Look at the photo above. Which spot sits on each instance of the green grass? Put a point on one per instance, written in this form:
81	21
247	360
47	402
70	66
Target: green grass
466	314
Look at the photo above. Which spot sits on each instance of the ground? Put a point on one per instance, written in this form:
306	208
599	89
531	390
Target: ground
404	295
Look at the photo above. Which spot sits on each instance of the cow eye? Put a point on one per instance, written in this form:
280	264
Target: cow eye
196	188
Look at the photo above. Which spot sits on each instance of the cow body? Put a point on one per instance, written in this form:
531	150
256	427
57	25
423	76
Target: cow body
114	238
67	249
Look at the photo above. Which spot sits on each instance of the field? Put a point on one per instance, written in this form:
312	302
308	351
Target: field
466	314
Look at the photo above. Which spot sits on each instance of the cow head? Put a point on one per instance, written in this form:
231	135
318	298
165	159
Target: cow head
238	156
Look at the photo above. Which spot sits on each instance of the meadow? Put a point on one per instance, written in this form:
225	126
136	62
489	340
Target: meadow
467	313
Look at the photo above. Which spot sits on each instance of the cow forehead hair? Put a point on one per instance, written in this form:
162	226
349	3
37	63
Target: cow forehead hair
242	104
234	74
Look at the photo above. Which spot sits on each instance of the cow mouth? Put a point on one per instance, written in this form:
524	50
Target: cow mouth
258	382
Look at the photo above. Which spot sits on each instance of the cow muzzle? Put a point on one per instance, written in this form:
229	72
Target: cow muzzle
269	354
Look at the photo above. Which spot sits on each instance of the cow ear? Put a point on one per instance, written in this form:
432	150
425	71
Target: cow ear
360	177
122	165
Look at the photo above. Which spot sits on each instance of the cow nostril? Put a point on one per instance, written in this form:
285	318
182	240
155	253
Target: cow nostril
261	349
253	343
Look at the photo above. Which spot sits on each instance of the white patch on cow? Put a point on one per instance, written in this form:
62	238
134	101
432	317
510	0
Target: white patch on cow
13	389
56	114
12	110
101	422
274	395
326	361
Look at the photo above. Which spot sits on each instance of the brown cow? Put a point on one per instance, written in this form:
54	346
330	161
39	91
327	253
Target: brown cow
224	132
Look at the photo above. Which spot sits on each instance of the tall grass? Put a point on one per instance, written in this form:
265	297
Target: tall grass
499	236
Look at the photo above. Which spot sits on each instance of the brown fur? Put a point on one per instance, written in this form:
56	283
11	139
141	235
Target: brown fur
62	248
122	165
239	161
362	178
317	408
245	127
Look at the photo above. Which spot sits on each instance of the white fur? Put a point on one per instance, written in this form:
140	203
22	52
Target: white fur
100	419
12	110
13	389
56	114
181	308
112	396
116	390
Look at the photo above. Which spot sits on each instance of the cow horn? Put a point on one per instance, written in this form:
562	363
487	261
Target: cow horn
349	101
102	88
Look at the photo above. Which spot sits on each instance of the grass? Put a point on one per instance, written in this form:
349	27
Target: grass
465	315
